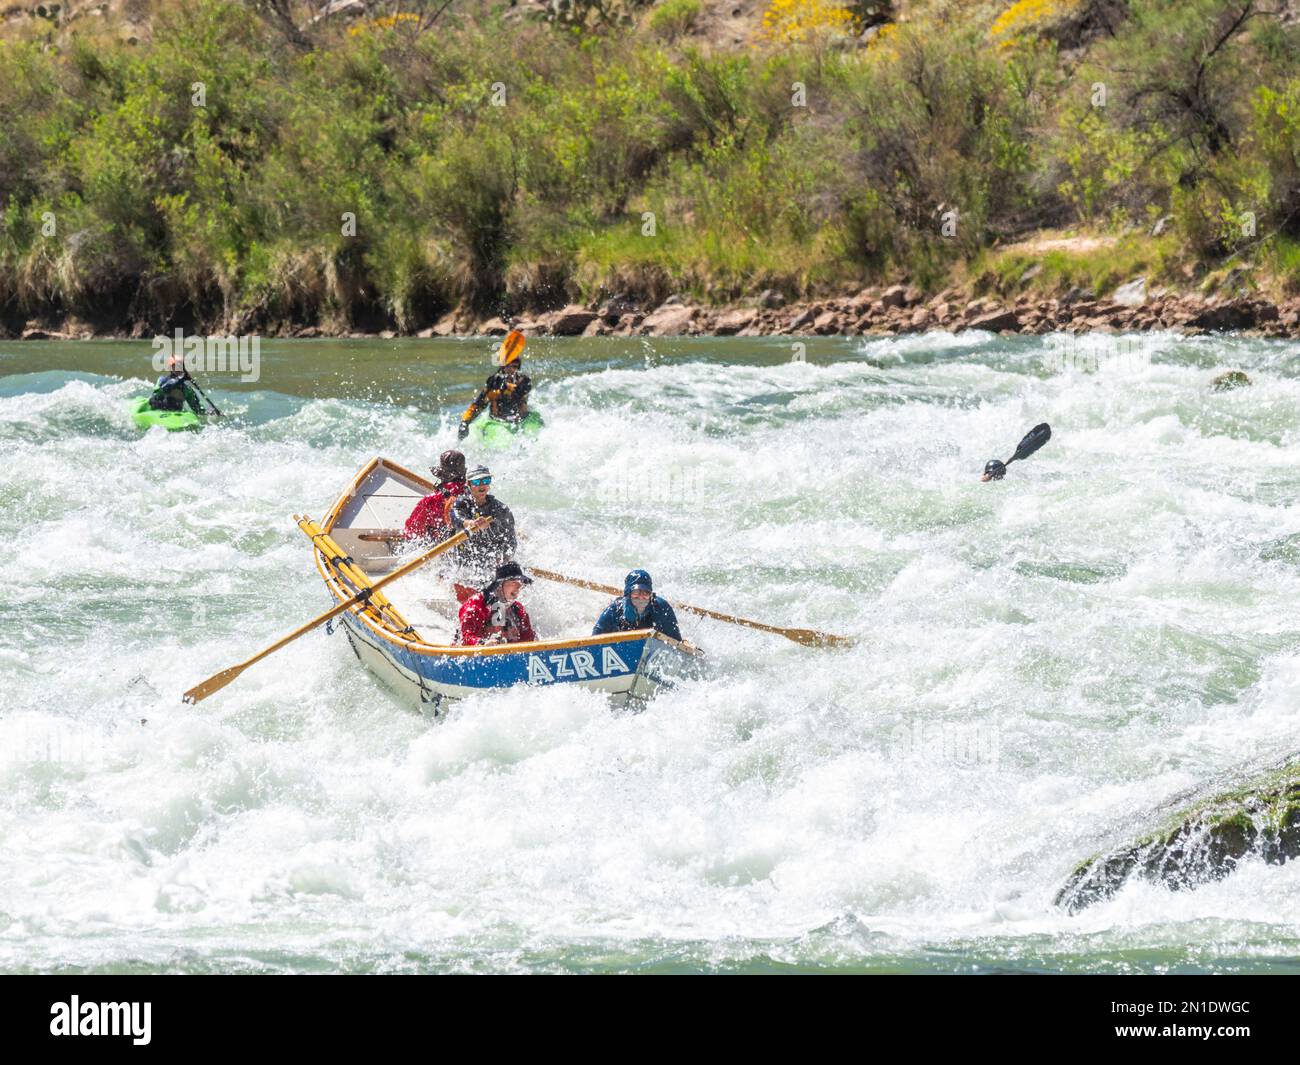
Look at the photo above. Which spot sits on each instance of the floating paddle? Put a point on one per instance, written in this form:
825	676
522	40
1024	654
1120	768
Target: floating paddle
219	680
811	637
1034	439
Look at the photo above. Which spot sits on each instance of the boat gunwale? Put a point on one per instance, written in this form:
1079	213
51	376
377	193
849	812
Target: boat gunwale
343	593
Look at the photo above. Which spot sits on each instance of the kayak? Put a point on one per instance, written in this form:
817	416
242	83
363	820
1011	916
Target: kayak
171	420
494	433
412	648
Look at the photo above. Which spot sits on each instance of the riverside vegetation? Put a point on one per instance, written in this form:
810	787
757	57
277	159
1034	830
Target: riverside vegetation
257	167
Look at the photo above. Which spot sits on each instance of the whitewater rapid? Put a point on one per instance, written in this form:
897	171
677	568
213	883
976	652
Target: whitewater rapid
1041	664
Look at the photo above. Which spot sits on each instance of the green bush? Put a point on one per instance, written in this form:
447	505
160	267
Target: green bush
673	18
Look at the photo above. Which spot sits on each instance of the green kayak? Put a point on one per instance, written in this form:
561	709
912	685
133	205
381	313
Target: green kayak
490	432
171	420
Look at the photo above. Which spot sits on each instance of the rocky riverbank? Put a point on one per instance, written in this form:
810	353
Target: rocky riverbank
877	311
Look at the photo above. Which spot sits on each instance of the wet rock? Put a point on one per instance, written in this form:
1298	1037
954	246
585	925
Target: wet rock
1133	294
669	320
1201	844
1226	382
570	321
444	326
894	296
1237	315
617	306
827	323
734	322
803	319
995	322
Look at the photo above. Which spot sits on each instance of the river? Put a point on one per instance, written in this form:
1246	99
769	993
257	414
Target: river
1042	663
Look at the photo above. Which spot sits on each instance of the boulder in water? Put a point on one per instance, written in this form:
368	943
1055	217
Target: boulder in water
1201	844
1225	382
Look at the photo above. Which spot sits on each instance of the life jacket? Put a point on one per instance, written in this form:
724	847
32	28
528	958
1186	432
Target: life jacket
505	393
488	616
170	393
432	515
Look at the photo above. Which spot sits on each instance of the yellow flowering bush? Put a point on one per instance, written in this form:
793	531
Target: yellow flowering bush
385	22
1026	17
789	21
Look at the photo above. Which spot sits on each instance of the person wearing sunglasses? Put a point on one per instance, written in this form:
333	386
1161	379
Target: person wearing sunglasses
494	545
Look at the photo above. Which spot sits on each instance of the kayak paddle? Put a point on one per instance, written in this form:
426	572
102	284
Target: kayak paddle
206	398
1034	439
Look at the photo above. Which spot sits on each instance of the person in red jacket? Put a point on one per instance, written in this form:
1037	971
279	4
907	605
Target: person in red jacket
495	614
431	519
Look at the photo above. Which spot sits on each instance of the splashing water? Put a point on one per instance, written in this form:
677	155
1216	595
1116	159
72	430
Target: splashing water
1042	662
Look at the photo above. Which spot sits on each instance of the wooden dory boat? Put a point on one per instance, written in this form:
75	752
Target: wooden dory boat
349	549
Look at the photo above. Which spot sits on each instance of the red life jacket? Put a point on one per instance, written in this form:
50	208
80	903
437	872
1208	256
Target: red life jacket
431	518
477	621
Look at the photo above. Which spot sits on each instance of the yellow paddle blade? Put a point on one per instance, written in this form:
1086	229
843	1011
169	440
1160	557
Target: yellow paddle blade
213	684
512	345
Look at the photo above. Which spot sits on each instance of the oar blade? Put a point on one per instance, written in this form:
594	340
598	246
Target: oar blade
213	684
1034	439
813	638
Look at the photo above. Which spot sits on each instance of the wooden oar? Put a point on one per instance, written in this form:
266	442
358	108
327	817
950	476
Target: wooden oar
810	637
219	680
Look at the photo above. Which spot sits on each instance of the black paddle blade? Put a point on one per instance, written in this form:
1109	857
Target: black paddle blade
1034	439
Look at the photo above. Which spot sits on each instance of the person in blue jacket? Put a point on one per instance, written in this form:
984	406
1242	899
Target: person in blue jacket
175	389
638	608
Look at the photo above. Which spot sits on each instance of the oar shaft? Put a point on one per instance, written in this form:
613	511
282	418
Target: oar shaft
808	636
219	680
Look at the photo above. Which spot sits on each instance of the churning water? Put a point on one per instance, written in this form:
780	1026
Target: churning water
1043	663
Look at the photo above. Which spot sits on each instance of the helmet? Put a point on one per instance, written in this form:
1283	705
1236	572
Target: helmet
994	470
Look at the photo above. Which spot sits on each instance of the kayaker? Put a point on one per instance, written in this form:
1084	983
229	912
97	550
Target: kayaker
174	389
495	544
638	608
431	518
506	393
996	469
495	615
